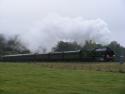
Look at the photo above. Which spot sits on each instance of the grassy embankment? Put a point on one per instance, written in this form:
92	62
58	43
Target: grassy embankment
61	78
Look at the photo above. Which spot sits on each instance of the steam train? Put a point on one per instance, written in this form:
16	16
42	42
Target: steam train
98	54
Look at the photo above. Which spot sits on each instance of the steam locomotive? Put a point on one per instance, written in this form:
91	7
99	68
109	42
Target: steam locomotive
98	54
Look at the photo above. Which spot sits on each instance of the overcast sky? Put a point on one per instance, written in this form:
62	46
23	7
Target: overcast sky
18	16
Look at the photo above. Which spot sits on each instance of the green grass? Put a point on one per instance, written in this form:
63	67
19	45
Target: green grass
96	66
58	78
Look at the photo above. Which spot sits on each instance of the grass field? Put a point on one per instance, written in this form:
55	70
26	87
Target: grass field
61	78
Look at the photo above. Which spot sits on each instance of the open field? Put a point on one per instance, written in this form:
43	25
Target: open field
61	78
91	66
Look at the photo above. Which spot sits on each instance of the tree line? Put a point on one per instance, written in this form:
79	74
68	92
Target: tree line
70	46
15	46
12	46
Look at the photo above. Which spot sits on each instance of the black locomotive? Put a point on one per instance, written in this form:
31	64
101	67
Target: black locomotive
98	54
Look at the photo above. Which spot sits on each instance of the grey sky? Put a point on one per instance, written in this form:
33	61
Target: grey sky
18	16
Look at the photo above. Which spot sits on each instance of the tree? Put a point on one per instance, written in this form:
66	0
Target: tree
11	46
117	48
2	44
89	44
66	46
14	46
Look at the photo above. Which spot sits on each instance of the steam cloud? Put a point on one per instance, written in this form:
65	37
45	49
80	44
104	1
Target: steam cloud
53	28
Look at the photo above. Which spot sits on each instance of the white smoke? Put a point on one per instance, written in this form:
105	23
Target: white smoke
46	33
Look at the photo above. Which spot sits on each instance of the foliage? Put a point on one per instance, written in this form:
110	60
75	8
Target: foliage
2	44
66	46
70	46
11	46
118	49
